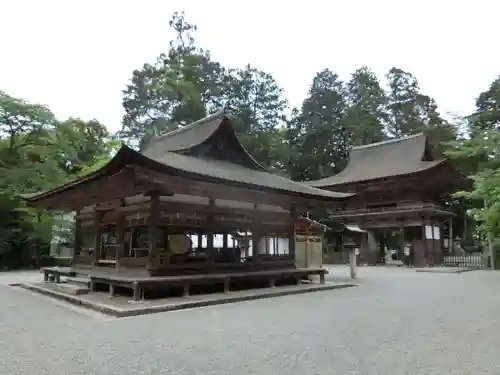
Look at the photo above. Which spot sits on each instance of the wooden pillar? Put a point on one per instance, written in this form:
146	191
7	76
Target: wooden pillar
38	242
440	244
154	215
97	237
199	242
433	257
120	238
256	233
401	243
77	248
291	231
138	292
246	244
382	247
450	236
210	228
425	242
166	244
224	240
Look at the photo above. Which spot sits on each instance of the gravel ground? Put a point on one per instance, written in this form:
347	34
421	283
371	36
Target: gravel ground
397	322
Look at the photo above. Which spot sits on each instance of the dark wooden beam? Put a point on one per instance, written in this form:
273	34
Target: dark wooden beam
97	231
291	236
154	216
109	188
210	227
77	247
256	234
180	185
120	238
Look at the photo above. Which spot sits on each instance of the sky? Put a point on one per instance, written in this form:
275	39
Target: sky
77	56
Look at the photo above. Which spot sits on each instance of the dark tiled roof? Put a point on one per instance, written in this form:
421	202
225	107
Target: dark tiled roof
187	136
395	157
226	170
190	149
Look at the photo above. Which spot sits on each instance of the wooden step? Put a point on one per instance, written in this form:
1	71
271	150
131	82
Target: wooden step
73	289
79	281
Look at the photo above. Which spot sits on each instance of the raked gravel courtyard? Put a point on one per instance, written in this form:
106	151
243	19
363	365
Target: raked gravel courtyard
396	322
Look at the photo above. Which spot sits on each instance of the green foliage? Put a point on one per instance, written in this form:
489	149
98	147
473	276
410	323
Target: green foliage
482	151
366	113
257	103
487	116
479	155
37	153
179	88
320	139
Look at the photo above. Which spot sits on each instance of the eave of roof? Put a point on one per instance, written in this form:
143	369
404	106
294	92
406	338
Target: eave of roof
199	169
392	158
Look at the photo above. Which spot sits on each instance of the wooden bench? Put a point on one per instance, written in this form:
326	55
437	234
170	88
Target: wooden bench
139	284
56	272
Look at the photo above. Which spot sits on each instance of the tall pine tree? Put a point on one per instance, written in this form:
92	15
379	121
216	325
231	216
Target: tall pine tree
411	112
179	88
258	106
317	133
367	100
403	112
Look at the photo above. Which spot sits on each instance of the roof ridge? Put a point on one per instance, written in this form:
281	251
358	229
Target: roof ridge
389	141
221	113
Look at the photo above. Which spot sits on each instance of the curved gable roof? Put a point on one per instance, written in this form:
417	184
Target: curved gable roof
383	159
215	130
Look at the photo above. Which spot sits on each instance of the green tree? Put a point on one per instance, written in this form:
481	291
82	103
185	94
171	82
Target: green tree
485	193
487	115
258	106
317	133
411	112
479	154
180	87
403	114
26	146
84	143
366	115
37	152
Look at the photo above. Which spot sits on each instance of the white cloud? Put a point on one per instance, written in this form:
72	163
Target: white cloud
77	56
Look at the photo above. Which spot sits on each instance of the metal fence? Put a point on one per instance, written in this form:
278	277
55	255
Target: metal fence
466	261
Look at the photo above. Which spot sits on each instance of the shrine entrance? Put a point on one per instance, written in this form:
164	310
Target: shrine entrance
398	186
394	246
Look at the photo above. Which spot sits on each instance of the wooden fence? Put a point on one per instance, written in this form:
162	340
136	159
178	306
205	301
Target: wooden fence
472	261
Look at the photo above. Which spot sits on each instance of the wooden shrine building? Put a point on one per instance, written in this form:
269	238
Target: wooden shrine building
397	185
139	213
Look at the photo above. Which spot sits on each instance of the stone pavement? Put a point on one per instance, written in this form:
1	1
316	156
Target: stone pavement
397	322
123	306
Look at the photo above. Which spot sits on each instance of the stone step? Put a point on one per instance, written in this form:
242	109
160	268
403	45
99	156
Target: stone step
73	289
79	281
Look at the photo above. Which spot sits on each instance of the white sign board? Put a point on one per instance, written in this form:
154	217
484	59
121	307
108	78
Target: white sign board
428	232
437	233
